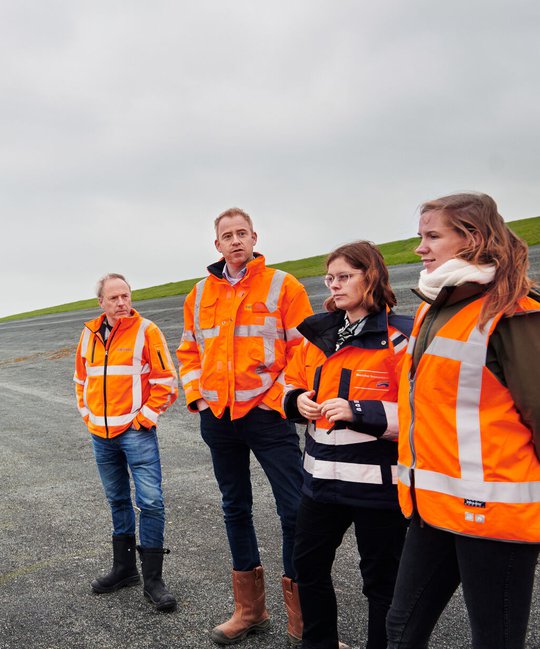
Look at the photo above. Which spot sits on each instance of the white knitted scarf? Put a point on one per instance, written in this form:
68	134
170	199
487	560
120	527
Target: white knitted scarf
454	272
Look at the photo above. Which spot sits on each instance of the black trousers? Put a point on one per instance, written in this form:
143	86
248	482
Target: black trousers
497	580
320	527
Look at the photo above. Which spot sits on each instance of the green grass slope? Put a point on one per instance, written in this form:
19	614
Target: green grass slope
395	253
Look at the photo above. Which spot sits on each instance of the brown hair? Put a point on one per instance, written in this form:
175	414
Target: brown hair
365	256
233	211
101	282
488	240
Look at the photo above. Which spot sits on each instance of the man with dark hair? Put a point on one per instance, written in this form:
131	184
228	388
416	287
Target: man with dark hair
125	379
239	331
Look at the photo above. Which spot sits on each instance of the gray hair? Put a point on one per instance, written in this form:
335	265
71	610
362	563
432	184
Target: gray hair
101	281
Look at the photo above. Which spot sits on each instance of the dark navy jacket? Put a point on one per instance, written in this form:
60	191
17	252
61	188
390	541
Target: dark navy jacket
352	463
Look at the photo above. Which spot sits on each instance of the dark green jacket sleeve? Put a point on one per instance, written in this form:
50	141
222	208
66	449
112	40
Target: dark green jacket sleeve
514	358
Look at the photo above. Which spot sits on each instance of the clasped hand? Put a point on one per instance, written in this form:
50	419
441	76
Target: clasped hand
333	410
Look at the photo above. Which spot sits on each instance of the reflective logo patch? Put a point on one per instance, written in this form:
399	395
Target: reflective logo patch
474	503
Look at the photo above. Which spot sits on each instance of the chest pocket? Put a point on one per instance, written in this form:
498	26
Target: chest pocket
371	380
208	312
363	384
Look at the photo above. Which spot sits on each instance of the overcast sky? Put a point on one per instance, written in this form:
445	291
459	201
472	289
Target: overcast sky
126	127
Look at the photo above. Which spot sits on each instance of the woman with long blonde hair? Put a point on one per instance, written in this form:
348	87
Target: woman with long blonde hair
469	469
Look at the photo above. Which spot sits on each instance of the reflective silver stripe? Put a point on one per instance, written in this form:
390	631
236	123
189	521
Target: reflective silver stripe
84	411
169	381
472	356
117	370
457	350
84	341
269	332
209	395
345	471
77	380
501	492
399	341
188	336
268	329
392	421
199	288
340	437
210	333
410	346
149	414
274	291
121	420
292	334
190	376
136	387
246	395
404	474
419	317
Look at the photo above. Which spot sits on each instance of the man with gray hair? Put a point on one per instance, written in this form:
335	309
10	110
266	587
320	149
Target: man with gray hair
125	379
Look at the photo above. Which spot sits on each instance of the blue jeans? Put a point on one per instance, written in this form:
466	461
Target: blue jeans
497	580
138	450
319	532
274	442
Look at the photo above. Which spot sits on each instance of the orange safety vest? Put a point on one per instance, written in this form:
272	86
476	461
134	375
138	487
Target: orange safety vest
129	379
466	461
237	339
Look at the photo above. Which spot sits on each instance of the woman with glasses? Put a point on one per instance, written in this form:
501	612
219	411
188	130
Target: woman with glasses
343	381
469	473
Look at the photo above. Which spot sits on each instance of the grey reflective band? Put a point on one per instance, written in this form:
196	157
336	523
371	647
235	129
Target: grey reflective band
199	337
274	291
404	474
498	492
471	354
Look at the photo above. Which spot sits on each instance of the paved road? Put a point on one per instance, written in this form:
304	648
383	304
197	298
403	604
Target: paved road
54	522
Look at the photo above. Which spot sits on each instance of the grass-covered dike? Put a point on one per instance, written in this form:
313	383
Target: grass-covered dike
395	253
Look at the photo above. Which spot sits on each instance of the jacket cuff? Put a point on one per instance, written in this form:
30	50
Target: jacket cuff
369	417
291	408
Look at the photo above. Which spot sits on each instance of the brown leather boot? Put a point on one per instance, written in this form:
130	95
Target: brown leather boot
250	614
294	613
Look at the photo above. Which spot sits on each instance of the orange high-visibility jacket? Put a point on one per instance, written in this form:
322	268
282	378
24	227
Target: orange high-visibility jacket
466	461
351	463
128	380
237	339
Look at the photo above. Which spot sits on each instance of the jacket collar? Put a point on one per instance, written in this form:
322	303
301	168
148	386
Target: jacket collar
95	324
255	265
321	330
449	295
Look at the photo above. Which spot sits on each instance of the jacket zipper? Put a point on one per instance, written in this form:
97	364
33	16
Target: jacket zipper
105	364
161	359
413	452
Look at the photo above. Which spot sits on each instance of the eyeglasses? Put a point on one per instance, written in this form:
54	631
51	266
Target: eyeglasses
340	278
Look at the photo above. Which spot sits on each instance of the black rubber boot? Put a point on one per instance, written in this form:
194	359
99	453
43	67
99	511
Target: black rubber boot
124	569
154	588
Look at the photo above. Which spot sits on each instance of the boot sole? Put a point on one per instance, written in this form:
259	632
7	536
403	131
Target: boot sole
293	641
129	581
220	638
167	607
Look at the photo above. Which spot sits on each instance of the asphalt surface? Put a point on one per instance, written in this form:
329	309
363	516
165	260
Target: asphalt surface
55	522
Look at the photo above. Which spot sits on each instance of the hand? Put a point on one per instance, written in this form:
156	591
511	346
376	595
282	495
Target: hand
336	410
201	405
306	407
